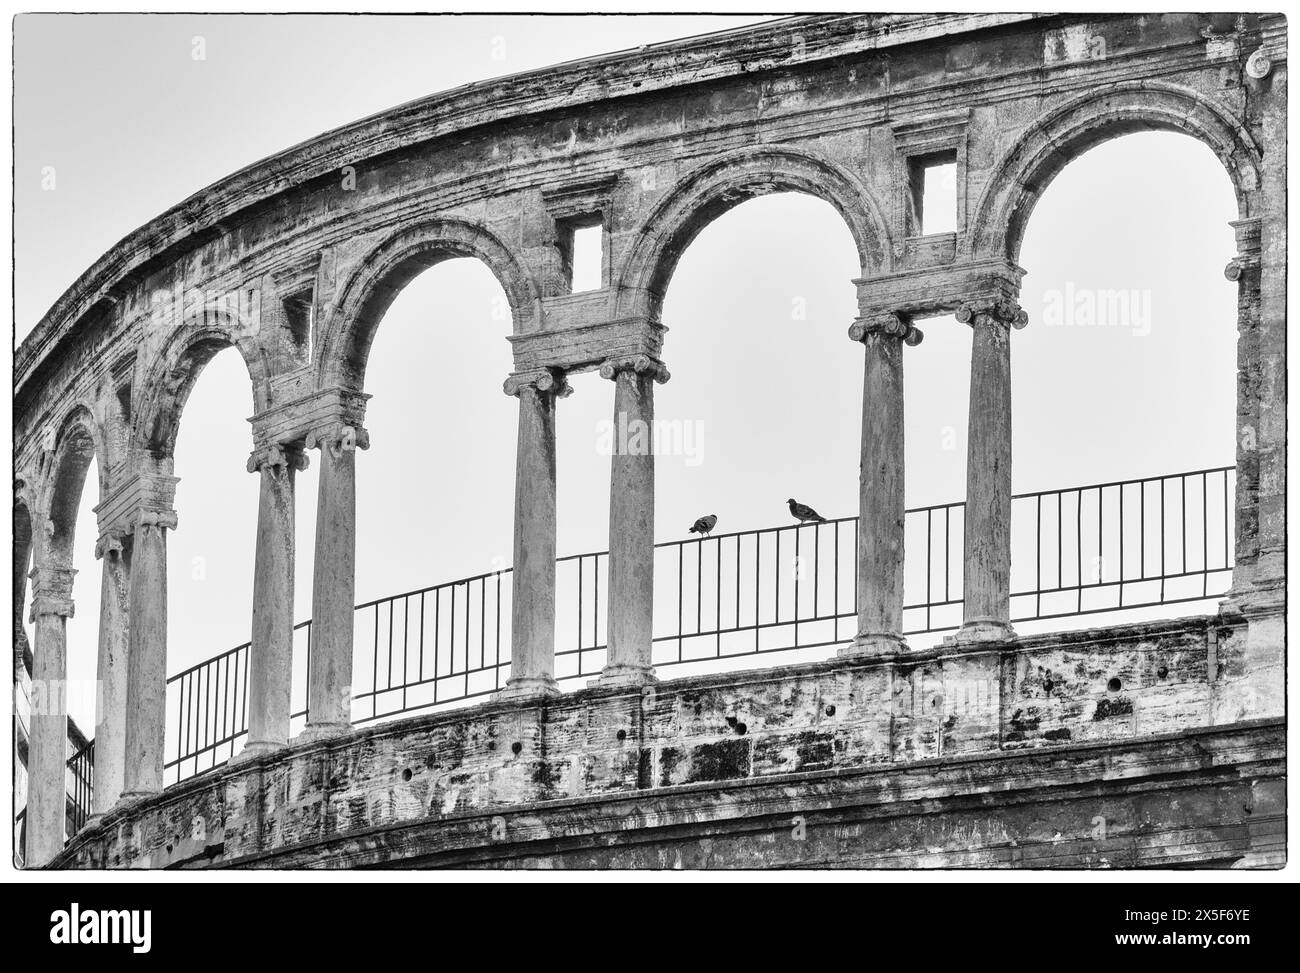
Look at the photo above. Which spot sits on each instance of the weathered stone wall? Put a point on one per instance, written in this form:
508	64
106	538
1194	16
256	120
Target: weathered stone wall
1119	747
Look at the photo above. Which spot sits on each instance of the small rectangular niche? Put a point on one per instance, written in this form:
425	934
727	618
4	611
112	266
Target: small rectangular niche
933	193
582	252
298	314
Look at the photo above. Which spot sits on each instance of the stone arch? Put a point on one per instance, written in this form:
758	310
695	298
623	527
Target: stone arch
171	376
23	538
1048	145
394	263
725	182
76	443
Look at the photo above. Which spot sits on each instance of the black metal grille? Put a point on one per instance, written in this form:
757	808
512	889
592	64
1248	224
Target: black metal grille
1099	548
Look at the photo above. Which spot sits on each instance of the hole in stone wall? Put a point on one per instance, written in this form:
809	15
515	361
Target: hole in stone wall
516	748
1114	685
298	319
406	774
622	735
934	193
585	258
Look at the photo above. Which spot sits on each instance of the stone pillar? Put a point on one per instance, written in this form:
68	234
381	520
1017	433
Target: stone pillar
881	499
532	650
270	654
987	568
146	684
333	593
632	520
47	754
112	671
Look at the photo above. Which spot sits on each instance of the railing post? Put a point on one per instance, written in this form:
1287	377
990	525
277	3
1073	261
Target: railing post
987	565
47	755
270	653
532	650
146	686
333	595
632	520
881	497
114	550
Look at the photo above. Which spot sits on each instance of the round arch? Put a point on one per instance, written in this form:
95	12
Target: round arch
76	443
1048	145
171	377
394	263
724	183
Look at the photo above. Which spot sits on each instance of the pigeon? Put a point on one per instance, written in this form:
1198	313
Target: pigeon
804	513
705	524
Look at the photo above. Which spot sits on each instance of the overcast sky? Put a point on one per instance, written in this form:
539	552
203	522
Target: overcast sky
763	373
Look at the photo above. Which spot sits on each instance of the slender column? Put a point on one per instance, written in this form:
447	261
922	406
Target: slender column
112	674
47	755
333	594
270	654
146	666
987	577
532	650
881	498
632	520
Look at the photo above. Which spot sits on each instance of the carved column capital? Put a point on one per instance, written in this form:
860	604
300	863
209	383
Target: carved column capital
610	368
279	456
888	323
109	544
165	519
548	381
1002	311
338	438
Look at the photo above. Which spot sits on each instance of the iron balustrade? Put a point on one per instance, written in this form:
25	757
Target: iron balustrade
81	783
1098	548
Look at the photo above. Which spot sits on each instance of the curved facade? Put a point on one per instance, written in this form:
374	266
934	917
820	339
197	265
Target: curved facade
295	259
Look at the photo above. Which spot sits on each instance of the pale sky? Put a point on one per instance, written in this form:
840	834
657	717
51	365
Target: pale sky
758	311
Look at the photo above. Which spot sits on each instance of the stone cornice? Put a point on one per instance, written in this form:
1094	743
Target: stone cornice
141	494
317	413
931	291
571	349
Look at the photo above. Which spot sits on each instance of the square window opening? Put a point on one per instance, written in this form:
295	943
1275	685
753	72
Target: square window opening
582	253
933	194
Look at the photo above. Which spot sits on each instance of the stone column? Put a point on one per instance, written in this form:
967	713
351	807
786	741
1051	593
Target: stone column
112	671
270	654
632	520
532	650
987	568
47	754
146	683
333	593
881	499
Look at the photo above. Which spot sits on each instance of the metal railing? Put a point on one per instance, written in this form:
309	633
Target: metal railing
81	785
1098	548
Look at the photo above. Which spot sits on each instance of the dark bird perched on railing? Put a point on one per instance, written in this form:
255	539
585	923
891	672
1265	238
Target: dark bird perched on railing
804	513
705	524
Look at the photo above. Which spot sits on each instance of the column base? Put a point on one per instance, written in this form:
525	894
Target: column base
873	645
625	675
127	798
253	750
984	630
528	687
313	732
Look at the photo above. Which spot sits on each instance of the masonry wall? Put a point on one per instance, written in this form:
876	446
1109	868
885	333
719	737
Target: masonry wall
1133	736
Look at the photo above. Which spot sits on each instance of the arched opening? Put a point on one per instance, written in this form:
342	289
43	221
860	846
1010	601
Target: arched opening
1126	376
764	405
435	489
202	435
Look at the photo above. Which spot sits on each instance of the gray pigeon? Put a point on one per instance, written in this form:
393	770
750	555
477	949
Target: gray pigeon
804	513
704	525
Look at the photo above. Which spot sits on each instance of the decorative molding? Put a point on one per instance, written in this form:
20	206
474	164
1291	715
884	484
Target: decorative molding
582	197
137	493
931	291
338	438
573	349
320	413
610	368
